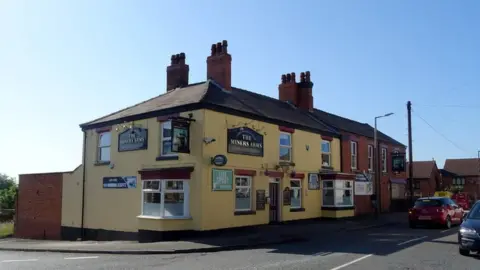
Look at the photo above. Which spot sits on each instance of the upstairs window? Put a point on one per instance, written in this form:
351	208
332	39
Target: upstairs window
104	143
384	160
285	147
166	139
370	157
326	154
353	153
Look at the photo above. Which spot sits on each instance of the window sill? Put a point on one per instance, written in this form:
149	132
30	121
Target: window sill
161	158
102	163
244	213
337	208
168	218
297	209
328	168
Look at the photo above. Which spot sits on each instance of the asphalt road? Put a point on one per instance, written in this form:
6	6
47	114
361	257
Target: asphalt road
384	248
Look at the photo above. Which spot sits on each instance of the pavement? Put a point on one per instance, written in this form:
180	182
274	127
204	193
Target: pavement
263	236
382	248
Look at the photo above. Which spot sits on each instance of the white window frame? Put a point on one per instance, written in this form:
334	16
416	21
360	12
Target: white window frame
100	147
286	146
299	188
384	159
163	139
162	190
354	154
249	186
329	154
370	157
338	189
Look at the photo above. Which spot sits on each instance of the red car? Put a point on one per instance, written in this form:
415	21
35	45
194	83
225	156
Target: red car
462	199
435	211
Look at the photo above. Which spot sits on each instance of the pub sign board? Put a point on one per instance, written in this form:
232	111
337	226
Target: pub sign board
180	136
398	162
133	139
244	141
120	182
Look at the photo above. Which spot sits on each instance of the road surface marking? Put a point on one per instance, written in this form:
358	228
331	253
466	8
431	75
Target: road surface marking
27	260
445	230
352	262
81	258
411	240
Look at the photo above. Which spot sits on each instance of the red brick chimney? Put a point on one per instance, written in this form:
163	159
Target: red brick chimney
299	94
219	65
177	72
288	89
305	92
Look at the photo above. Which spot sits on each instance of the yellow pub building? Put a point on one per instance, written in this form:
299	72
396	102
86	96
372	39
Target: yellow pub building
206	156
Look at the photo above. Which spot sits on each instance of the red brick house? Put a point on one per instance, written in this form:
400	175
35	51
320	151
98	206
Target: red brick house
463	174
358	157
426	178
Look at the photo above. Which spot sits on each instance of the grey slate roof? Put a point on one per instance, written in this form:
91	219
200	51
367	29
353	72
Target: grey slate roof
352	126
210	93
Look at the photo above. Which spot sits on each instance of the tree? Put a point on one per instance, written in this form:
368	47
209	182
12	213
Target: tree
8	191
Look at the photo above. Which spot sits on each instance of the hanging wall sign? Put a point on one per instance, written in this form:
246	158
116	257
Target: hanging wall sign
180	136
133	139
120	182
244	141
398	162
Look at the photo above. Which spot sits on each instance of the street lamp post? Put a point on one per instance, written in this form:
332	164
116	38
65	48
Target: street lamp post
376	165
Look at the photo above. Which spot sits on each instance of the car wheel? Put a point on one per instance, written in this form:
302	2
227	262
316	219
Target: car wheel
464	252
448	223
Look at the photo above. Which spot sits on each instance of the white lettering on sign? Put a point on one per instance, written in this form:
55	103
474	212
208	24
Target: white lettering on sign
222	178
246	143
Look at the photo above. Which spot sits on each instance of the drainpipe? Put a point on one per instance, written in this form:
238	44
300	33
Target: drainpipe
82	234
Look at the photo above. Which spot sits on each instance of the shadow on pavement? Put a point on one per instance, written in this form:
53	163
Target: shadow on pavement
379	242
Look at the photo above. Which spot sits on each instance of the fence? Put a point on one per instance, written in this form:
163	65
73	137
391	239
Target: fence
7	215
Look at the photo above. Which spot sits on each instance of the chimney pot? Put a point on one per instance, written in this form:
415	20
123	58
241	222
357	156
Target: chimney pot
224	45
284	78
302	77
214	50
289	77
293	76
307	76
219	48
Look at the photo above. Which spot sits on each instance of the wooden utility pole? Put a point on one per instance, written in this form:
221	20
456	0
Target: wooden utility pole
410	151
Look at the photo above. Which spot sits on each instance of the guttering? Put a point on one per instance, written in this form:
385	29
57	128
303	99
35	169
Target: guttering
82	234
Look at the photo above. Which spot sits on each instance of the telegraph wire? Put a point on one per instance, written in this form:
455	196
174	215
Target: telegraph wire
439	133
464	106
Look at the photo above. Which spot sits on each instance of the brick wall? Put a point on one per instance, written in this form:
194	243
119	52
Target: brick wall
39	206
363	203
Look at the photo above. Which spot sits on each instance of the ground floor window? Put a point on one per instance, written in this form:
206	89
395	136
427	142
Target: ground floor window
243	193
295	193
338	193
165	198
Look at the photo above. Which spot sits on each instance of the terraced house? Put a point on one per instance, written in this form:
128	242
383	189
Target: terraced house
206	156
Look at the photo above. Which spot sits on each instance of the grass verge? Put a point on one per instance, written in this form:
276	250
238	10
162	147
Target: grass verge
6	229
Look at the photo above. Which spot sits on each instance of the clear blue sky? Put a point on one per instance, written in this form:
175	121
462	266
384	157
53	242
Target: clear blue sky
63	63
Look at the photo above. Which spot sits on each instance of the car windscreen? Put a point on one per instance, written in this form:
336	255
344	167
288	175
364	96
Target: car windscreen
428	202
474	212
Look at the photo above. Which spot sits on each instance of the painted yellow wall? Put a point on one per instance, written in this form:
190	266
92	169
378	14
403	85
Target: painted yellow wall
118	209
338	213
72	198
218	206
